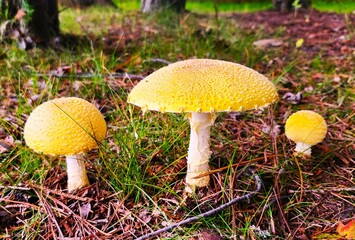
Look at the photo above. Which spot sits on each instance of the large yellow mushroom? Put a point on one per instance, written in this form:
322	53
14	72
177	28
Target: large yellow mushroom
306	128
66	126
201	88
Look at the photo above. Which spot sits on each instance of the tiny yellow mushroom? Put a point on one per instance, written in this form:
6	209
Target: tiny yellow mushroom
306	128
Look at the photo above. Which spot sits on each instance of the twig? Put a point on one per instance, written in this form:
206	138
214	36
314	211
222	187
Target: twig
60	193
304	219
29	205
89	75
210	212
233	165
82	220
342	198
301	179
159	60
15	188
330	189
49	213
276	187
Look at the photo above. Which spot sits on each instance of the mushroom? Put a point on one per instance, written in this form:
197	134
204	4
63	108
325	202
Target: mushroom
306	128
201	88
66	126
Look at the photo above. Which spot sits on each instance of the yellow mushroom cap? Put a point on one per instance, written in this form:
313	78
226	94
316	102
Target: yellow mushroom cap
64	126
203	85
306	126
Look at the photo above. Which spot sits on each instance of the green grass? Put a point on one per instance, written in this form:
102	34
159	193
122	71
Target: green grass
138	173
85	22
338	6
208	6
343	6
126	5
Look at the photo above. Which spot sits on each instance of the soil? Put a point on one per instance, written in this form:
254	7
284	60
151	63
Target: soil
323	33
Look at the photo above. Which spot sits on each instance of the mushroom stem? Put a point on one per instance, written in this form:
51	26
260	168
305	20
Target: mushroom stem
199	150
303	149
76	171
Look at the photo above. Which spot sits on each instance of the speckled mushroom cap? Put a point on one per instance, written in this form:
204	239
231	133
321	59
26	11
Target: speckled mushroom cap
306	126
64	126
203	85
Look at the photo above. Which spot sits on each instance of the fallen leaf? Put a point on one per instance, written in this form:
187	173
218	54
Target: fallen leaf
209	235
145	216
348	230
272	130
77	85
7	144
317	76
85	210
299	43
292	98
267	43
328	236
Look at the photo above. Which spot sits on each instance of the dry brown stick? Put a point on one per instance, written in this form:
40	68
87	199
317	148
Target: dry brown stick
49	213
330	189
301	179
111	216
342	198
304	220
234	225
15	188
60	193
233	165
21	203
208	213
90	75
24	204
276	188
47	190
278	201
77	216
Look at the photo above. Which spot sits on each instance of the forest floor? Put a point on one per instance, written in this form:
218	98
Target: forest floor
310	58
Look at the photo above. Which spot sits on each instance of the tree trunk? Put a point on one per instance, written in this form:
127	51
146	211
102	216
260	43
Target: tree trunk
287	5
44	23
8	9
85	3
148	6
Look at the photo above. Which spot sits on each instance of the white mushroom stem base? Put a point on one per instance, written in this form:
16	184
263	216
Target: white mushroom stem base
76	171
303	149
199	150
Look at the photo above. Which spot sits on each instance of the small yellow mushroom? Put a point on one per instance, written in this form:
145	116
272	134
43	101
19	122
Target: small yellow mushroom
306	128
66	126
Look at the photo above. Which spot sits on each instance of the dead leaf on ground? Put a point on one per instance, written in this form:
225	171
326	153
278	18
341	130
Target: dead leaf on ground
85	209
267	43
7	144
348	230
209	235
292	98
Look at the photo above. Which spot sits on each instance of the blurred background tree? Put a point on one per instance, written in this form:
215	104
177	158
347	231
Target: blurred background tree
288	5
42	19
154	5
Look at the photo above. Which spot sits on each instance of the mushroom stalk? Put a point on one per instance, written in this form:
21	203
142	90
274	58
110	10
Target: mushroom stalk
199	150
303	148
76	171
